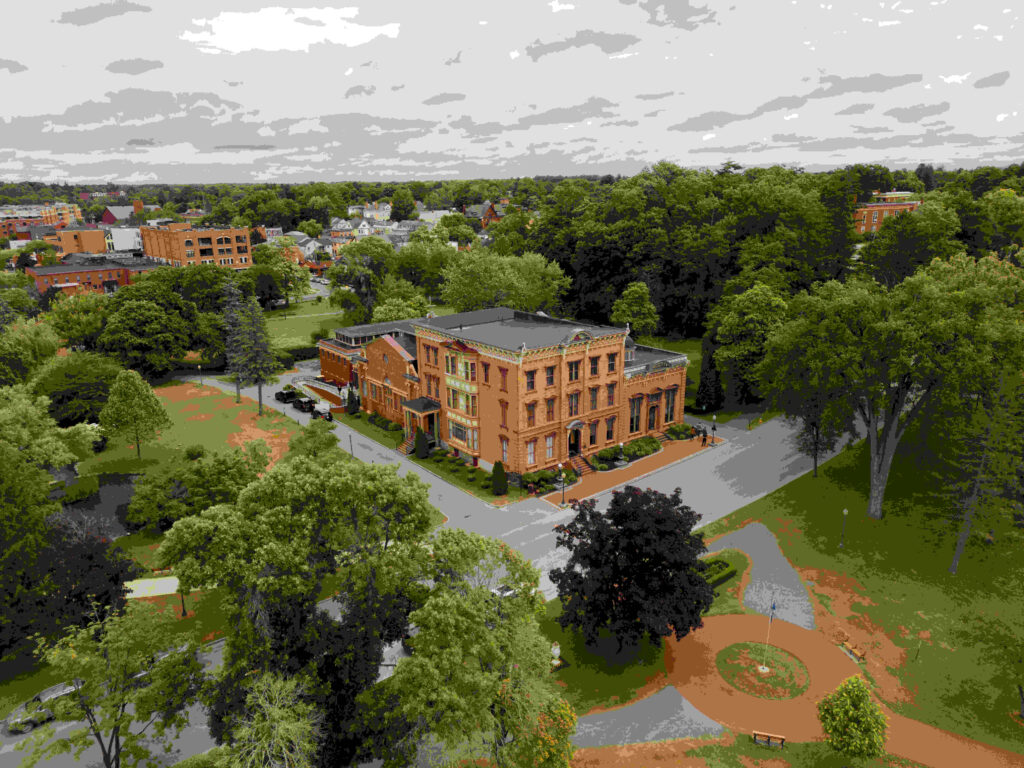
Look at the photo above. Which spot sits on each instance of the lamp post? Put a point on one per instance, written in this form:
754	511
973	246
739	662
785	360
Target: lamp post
843	534
714	427
200	367
622	454
561	473
184	613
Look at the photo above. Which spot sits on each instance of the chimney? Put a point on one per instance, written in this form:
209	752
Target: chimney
137	206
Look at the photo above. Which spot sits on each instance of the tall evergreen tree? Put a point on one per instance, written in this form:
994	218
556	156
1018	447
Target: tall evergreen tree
133	411
232	319
253	358
709	391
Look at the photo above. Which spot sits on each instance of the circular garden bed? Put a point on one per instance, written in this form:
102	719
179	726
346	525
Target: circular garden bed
739	663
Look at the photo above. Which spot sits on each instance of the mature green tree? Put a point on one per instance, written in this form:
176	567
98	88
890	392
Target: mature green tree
310	227
361	267
910	240
232	302
742	323
422	260
24	347
133	411
710	394
7	314
397	309
18	291
1004	212
282	727
252	358
292	278
853	722
183	487
143	336
26	425
124	689
313	441
652	588
80	319
480	673
77	386
403	207
892	351
480	278
635	308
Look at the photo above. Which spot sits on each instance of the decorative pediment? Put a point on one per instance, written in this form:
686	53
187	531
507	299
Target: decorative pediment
459	346
576	335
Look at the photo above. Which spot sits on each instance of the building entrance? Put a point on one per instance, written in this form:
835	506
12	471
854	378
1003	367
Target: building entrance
574	442
652	417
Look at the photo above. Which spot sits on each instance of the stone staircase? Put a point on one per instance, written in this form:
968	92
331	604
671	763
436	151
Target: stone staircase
581	467
663	438
408	445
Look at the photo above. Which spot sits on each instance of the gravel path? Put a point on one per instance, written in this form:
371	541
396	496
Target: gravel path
665	715
770	575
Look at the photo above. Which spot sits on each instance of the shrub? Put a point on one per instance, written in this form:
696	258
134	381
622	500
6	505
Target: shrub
352	406
437	458
194	452
499	480
394	426
420	446
678	432
85	487
600	467
608	455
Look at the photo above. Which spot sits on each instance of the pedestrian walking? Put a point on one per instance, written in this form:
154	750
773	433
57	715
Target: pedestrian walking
703	437
693	432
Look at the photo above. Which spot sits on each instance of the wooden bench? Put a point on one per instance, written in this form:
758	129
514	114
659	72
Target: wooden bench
855	652
769	739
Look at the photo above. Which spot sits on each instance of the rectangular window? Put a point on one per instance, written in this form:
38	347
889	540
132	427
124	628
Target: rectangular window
574	404
550	374
611	394
531	414
531	380
504	379
190	254
504	450
504	413
551	408
531	452
635	406
611	363
487	372
447	363
239	238
456	431
574	370
593	432
448	393
593	365
670	405
609	432
874	215
549	446
593	398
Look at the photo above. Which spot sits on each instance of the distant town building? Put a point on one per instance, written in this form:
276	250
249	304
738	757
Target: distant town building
123	238
90	275
869	216
78	240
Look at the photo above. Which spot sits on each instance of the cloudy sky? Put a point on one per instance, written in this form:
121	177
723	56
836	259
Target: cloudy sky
249	90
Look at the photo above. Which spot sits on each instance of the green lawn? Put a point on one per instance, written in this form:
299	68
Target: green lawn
964	678
744	752
294	325
387	438
211	429
591	679
460	480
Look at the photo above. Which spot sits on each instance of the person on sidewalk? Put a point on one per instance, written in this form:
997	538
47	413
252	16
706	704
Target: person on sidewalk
703	437
693	432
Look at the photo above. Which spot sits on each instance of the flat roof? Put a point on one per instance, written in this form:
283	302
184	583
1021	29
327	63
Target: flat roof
512	330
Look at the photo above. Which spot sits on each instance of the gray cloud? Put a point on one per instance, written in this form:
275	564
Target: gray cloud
790	137
308	21
626	123
592	108
856	109
360	90
917	112
675	13
94	13
608	43
14	67
444	98
653	96
992	81
141	142
655	113
233	83
456	59
871	129
832	86
236	147
133	66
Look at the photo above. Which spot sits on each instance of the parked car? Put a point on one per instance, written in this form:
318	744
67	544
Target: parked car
142	678
304	404
322	411
38	710
286	395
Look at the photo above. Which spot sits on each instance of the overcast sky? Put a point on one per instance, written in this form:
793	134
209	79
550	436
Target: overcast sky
244	90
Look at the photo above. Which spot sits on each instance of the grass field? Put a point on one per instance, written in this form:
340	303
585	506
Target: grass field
460	480
293	326
213	421
725	599
964	675
386	437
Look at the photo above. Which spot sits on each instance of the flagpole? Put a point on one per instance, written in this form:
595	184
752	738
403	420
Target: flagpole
771	615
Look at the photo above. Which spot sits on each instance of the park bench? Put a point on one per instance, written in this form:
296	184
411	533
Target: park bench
855	652
769	739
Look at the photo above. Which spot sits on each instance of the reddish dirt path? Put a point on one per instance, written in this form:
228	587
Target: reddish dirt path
598	482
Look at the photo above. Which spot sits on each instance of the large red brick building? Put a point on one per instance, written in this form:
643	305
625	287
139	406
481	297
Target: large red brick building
497	384
179	245
97	275
869	216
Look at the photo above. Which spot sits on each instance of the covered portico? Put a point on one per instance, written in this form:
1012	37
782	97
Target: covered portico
423	412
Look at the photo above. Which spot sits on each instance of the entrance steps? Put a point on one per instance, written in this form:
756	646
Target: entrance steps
580	466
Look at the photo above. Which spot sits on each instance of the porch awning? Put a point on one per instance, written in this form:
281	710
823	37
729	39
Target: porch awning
422	405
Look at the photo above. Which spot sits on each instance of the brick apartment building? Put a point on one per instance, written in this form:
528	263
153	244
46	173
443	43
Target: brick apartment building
78	240
90	274
178	244
869	216
498	384
21	216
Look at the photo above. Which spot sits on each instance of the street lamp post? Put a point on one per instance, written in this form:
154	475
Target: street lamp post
622	455
184	613
561	475
200	374
843	534
714	427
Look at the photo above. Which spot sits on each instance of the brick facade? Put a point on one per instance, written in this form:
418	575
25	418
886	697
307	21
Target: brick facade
179	245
